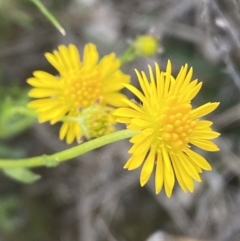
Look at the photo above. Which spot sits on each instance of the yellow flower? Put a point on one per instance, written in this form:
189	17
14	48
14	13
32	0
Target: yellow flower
80	84
168	125
146	45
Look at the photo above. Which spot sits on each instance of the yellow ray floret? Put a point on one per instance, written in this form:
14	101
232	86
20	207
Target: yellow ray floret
167	126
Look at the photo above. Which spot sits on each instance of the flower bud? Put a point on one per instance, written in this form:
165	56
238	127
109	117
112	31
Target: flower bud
146	45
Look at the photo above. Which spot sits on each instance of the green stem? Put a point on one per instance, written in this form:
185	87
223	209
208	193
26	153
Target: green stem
48	15
129	55
54	159
21	110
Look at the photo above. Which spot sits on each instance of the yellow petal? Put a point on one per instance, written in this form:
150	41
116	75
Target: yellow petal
204	144
204	110
53	61
48	82
179	175
49	115
187	164
167	83
147	168
176	88
198	159
75	57
58	114
127	112
138	138
159	174
134	106
159	80
63	130
114	99
143	81
73	132
66	57
109	64
141	123
136	92
42	93
185	177
135	161
166	159
205	134
203	124
194	91
90	57
169	178
44	104
139	147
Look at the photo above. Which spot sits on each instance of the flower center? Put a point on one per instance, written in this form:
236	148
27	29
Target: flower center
83	91
176	122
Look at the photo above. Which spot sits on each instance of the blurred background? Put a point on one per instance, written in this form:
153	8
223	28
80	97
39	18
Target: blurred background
92	198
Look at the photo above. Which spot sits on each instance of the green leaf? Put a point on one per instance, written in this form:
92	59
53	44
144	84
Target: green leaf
22	175
15	116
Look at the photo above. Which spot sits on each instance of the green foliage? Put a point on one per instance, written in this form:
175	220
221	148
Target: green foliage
7	205
15	117
23	218
9	152
13	12
49	16
22	175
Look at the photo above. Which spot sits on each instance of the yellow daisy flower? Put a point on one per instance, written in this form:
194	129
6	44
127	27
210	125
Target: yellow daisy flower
80	84
168	125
